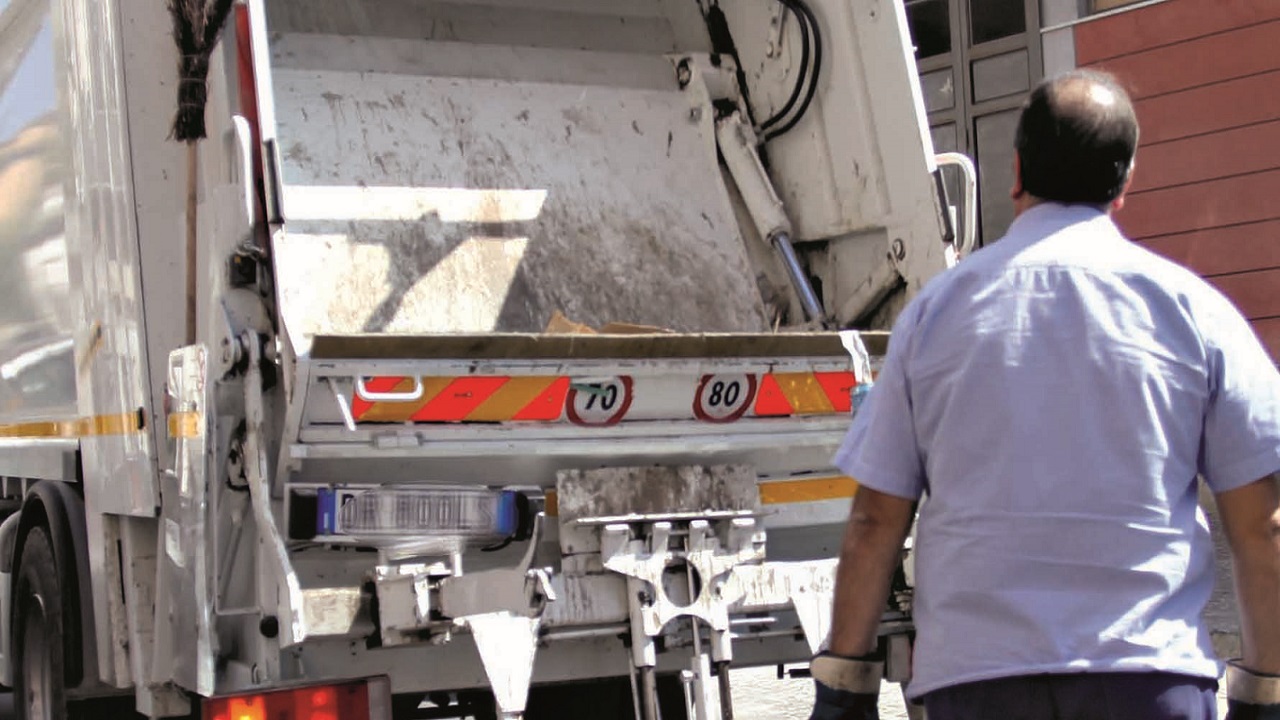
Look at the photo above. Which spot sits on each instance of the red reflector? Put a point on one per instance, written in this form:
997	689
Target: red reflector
323	698
348	701
248	708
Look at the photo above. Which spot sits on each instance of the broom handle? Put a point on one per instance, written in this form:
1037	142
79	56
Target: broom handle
193	167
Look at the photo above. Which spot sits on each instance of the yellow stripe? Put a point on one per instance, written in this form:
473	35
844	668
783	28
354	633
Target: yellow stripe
186	425
402	411
510	399
118	424
805	393
811	490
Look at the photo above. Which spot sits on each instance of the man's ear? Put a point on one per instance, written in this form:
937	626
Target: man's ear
1118	204
1017	191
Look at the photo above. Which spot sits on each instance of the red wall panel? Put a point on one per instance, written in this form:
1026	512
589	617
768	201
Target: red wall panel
1269	332
1248	149
1257	294
1238	53
1223	250
1210	108
1165	24
1210	204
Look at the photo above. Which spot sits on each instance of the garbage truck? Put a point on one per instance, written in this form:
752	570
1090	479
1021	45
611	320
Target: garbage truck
514	344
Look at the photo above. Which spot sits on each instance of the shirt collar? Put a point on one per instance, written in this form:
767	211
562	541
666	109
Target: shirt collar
1047	218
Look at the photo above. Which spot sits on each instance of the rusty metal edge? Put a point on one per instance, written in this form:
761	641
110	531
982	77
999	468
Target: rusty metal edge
585	347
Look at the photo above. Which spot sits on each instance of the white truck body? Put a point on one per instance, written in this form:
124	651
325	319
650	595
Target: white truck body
394	199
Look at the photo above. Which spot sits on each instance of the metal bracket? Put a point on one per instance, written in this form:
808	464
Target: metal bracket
507	638
404	602
645	560
523	589
777	24
720	80
288	601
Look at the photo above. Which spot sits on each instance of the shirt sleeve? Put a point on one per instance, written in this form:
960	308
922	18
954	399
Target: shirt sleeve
880	450
1241	440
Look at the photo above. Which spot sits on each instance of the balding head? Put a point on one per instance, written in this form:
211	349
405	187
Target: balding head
1076	139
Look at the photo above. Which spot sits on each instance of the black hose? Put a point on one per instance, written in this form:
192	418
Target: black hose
722	44
817	67
804	70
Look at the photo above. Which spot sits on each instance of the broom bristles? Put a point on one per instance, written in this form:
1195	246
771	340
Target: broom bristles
196	26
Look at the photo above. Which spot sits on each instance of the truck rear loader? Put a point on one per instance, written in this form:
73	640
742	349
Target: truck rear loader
522	333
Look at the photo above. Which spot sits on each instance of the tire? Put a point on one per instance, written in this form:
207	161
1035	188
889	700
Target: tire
39	678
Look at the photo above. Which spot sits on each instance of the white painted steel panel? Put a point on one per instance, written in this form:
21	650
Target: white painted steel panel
119	470
102	232
510	199
856	168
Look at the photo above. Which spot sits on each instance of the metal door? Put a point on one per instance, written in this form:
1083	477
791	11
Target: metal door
977	59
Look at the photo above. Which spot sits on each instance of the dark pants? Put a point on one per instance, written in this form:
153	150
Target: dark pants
1078	696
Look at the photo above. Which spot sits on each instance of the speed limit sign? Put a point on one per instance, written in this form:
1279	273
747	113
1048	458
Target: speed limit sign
724	397
599	403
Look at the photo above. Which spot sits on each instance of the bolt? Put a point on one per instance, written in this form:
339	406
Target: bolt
899	249
683	73
695	114
269	626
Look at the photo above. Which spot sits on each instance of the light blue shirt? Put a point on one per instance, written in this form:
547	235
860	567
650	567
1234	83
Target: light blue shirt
1054	397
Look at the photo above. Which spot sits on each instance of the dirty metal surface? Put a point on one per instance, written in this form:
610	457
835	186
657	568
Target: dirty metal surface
655	491
429	205
596	347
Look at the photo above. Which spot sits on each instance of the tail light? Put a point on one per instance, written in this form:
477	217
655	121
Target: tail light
357	700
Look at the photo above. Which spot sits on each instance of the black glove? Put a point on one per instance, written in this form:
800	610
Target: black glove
1251	695
846	688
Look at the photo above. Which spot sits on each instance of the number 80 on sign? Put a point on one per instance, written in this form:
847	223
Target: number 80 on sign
724	397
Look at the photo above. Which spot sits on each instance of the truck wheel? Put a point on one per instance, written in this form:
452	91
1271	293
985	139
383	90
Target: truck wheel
39	692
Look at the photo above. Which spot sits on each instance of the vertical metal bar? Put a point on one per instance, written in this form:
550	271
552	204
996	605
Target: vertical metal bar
726	694
944	201
344	407
193	179
649	681
699	679
287	599
635	691
808	298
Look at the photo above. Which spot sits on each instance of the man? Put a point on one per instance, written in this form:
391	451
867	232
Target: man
1054	398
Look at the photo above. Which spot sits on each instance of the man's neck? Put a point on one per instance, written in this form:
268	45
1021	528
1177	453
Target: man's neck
1025	202
1028	201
